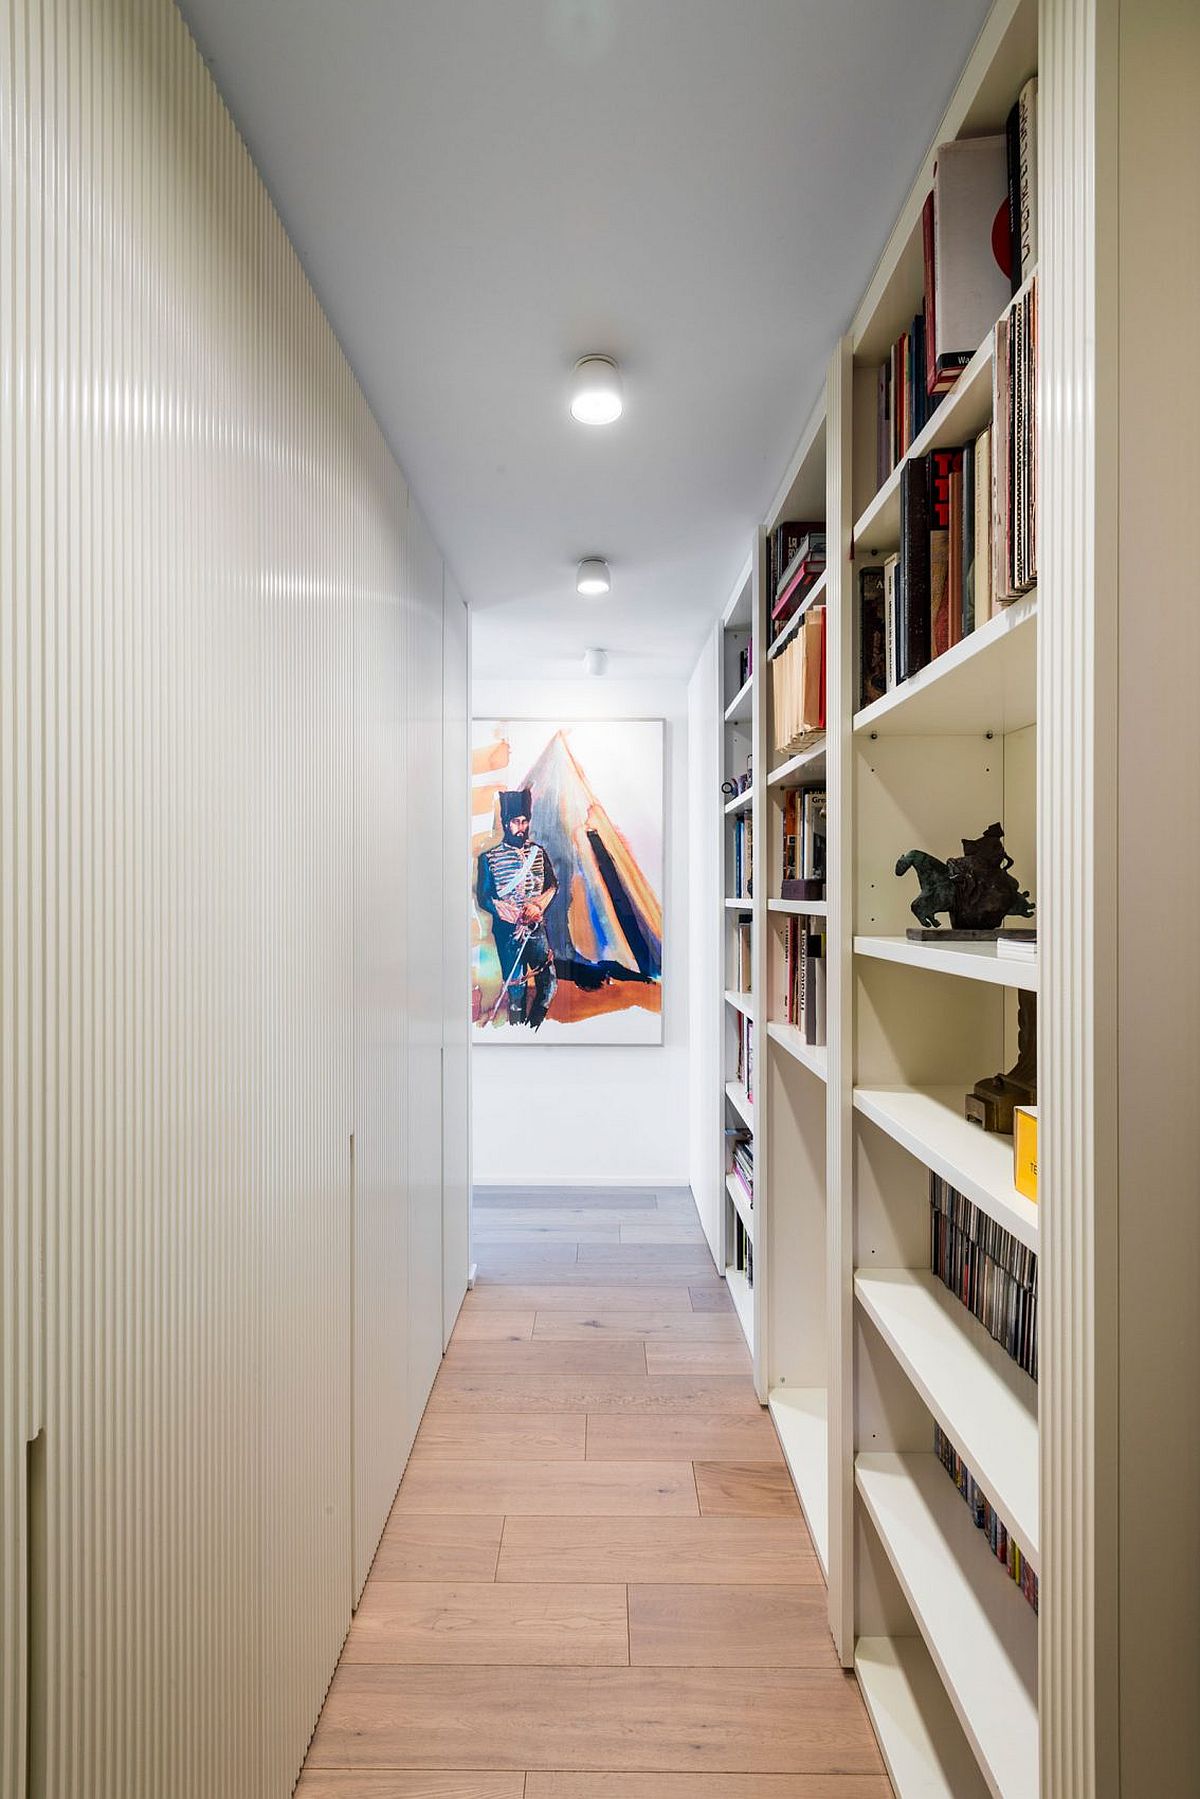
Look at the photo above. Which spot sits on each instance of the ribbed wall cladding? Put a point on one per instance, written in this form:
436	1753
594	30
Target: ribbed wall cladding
224	812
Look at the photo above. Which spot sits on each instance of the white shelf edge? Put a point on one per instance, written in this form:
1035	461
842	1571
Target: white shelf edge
985	1403
741	1002
968	961
801	1418
741	1203
813	1056
811	598
740	802
738	905
799	908
924	1749
735	1093
927	1123
803	759
733	715
980	1632
742	1295
982	642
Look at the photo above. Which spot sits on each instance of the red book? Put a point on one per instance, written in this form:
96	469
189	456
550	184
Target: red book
943	464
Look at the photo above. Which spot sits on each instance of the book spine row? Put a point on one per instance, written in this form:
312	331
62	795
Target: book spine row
1014	426
985	1267
804	981
798	685
742	1167
986	1517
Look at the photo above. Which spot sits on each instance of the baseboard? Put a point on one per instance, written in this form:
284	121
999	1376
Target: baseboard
573	1180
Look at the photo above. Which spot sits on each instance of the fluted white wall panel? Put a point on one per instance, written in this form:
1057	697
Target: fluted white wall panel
220	756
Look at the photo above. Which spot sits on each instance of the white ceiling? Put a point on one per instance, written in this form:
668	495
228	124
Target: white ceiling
482	190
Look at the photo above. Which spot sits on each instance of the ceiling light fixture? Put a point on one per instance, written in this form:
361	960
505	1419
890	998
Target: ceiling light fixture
593	576
595	662
596	391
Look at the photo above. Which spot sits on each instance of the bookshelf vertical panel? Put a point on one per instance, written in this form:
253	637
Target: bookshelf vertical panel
759	863
841	679
1076	784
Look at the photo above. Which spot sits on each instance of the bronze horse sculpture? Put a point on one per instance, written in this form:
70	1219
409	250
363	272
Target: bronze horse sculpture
975	888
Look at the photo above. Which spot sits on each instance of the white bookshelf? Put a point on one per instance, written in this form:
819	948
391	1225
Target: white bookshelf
859	1351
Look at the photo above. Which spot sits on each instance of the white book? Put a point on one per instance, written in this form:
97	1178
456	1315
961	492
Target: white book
970	188
891	578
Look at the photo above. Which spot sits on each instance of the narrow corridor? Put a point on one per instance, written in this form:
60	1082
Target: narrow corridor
596	1582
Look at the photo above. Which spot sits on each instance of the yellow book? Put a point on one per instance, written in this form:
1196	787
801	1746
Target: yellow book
1025	1151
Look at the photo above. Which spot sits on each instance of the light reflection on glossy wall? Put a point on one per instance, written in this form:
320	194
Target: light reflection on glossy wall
221	732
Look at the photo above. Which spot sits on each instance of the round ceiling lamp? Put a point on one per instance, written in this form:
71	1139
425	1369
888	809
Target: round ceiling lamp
593	577
596	391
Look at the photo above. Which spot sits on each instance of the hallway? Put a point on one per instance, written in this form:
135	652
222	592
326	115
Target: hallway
596	1582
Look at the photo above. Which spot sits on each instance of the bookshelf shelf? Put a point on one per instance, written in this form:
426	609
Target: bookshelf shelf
738	709
743	1105
970	961
801	1422
813	1056
929	1123
798	908
926	1753
980	1633
805	768
741	1203
741	1002
738	905
988	682
741	802
814	597
984	1402
742	1295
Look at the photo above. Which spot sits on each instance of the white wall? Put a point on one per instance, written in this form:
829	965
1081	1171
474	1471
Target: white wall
221	733
544	1114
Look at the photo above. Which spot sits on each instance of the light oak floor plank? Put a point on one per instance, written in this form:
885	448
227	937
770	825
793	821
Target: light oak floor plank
431	1548
729	1627
531	1626
478	1324
707	1786
582	1199
649	1234
620	1356
745	1490
674	1259
710	1720
549	1489
711	1299
420	1783
506	1436
693	1437
528	1256
559	1294
665	1355
706	1391
511	1235
596	1323
762	1551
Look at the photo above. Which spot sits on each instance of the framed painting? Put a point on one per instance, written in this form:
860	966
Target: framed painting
567	872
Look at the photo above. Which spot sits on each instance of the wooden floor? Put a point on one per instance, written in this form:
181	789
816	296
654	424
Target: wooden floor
596	1582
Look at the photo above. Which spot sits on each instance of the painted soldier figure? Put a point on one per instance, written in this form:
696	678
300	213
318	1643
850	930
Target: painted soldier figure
516	882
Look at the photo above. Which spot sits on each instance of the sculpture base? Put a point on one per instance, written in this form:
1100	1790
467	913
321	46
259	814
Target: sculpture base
992	1102
918	934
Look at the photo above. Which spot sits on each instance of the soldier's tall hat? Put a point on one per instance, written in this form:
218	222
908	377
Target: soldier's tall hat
515	802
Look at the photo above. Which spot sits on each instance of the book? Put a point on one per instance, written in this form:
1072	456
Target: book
967	511
943	465
971	283
1026	238
891	600
913	636
811	546
872	649
1012	170
983	527
1014	449
782	544
798	685
1025	1151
